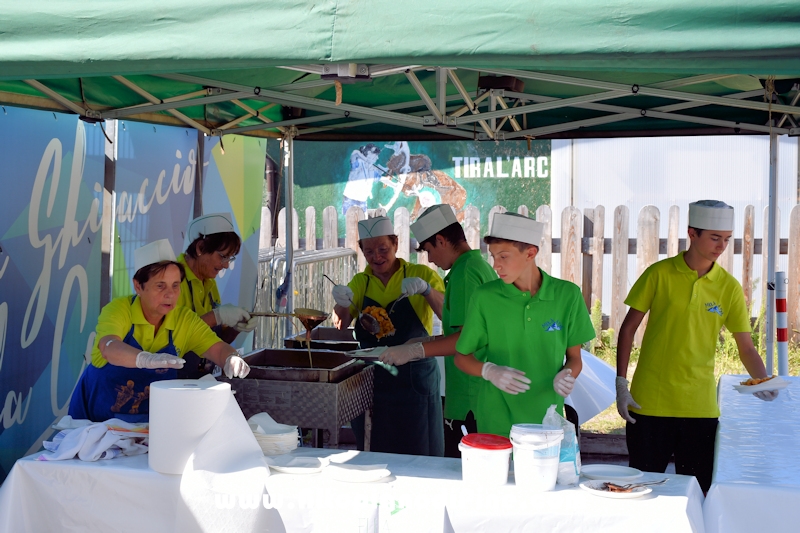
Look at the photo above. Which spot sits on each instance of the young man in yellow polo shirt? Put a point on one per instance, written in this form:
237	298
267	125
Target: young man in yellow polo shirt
690	298
523	332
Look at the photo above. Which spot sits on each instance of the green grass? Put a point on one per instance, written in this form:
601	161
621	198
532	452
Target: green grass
727	362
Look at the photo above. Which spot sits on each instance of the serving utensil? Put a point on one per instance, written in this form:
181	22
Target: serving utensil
630	486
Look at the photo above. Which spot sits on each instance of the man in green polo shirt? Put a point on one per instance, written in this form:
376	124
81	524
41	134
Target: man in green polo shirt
440	235
523	332
690	298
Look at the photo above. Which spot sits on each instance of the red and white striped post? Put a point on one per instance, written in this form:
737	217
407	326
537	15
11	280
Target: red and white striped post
781	283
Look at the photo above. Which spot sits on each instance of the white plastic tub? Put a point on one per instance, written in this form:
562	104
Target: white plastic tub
536	454
484	459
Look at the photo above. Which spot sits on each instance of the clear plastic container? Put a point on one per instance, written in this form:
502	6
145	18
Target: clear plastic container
536	455
484	459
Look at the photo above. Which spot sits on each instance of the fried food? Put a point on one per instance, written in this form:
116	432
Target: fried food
380	314
611	487
756	381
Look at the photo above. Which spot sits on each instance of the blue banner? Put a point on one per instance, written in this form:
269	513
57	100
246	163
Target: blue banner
50	228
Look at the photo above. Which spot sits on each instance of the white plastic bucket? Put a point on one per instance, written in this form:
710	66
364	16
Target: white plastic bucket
484	459
536	453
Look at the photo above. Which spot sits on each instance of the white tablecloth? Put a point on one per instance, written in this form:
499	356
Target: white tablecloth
424	494
756	482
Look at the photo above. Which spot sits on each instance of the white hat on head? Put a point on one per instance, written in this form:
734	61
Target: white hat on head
711	215
375	227
210	224
154	252
432	221
514	227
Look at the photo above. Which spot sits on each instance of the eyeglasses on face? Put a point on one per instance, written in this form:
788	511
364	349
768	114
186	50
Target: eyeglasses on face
226	258
383	250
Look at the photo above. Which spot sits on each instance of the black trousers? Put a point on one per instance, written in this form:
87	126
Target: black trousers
453	434
653	440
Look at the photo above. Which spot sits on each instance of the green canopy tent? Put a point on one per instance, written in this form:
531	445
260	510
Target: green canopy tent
453	69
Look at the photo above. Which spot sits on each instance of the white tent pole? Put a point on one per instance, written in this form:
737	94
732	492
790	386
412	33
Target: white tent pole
771	243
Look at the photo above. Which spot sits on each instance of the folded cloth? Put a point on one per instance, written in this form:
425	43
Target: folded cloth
95	441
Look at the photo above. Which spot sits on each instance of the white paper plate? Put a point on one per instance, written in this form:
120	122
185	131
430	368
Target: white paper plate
775	383
367	353
613	472
289	464
357	473
596	487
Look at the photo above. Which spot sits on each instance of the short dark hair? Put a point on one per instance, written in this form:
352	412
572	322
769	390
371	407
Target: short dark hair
519	245
392	238
697	230
454	234
216	242
144	274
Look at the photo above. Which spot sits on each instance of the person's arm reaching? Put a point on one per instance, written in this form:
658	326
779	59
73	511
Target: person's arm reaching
624	345
753	363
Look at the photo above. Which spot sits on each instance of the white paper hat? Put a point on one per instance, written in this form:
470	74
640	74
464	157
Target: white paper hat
375	227
432	221
711	215
514	227
151	253
210	224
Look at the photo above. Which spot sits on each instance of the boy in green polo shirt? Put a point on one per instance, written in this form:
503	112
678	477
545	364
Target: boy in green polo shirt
523	332
440	235
689	297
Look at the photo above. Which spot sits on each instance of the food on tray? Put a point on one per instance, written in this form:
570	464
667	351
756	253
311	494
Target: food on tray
756	381
380	314
611	487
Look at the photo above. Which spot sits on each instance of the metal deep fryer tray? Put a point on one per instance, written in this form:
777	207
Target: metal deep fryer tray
293	365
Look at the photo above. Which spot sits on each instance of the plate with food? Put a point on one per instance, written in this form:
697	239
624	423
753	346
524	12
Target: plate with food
752	385
385	325
616	472
609	489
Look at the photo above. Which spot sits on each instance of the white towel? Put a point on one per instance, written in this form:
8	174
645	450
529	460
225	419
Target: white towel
93	441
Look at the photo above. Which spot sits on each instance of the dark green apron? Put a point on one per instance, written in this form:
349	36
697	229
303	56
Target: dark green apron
407	408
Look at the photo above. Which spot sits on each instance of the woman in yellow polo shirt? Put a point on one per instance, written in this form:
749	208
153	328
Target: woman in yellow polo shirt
141	339
213	245
407	408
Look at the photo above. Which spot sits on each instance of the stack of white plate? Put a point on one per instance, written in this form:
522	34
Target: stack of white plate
277	443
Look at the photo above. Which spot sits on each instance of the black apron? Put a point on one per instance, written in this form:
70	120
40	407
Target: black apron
407	408
195	366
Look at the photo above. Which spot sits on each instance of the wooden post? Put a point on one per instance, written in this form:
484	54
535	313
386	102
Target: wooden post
726	259
586	258
545	256
793	273
311	228
265	236
472	226
281	242
401	225
354	214
598	251
522	210
571	244
673	231
330	227
619	269
646	251
748	249
766	243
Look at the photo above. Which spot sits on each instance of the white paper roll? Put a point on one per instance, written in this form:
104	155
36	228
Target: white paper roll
181	413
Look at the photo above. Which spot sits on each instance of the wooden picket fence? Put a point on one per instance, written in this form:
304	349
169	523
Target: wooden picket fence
583	246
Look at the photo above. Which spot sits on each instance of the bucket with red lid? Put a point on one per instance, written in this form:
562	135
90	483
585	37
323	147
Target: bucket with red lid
485	458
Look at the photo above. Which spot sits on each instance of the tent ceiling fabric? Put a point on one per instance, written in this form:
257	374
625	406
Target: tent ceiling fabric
589	68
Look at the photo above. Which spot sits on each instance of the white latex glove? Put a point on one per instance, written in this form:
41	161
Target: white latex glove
158	360
625	400
248	326
505	378
405	353
235	367
766	395
411	286
563	383
342	295
230	315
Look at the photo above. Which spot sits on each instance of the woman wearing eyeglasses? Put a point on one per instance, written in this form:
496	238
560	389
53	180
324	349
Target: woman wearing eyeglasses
407	408
213	245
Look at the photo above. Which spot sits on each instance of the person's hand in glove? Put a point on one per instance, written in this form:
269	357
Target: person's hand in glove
411	286
342	295
505	378
235	367
246	327
230	315
766	395
405	353
564	382
158	360
625	400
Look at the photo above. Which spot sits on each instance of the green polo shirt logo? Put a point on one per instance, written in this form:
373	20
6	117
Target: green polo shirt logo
552	325
713	307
